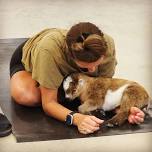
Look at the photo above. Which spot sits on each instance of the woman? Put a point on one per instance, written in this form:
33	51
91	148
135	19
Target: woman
39	65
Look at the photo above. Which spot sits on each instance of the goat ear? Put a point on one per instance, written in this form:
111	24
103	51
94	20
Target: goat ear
81	82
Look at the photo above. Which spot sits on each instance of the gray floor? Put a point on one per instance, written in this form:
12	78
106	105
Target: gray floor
128	22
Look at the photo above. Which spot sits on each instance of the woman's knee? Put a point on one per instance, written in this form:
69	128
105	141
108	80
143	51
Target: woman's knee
24	91
27	98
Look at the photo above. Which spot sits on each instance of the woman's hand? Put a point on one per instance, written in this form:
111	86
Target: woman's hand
87	124
136	116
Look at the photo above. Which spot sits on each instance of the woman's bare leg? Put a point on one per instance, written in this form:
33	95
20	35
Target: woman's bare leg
24	89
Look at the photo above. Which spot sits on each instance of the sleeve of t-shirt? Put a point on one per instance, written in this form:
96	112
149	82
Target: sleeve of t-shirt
45	69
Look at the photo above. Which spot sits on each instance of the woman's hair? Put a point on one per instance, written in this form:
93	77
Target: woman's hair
86	42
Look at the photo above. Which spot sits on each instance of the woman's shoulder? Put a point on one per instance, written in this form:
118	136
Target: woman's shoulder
53	36
56	33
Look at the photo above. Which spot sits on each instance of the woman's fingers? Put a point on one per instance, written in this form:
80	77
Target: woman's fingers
90	127
93	121
136	115
97	120
140	114
135	111
90	124
86	131
139	119
135	119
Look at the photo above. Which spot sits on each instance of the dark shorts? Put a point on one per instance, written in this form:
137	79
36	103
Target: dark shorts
15	63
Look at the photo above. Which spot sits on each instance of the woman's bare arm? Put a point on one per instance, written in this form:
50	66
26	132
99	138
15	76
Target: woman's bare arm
86	124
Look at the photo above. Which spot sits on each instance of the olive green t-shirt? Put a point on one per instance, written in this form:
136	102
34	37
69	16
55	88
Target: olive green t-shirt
47	57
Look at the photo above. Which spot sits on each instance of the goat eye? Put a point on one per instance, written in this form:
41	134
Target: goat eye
67	91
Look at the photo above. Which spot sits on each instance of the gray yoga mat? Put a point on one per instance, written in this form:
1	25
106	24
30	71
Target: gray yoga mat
31	124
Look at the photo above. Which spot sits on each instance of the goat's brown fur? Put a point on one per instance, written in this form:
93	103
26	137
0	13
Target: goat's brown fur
92	94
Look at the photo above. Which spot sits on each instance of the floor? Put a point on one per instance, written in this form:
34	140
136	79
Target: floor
128	22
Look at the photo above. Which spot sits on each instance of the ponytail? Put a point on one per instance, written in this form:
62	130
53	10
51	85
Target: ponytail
86	44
